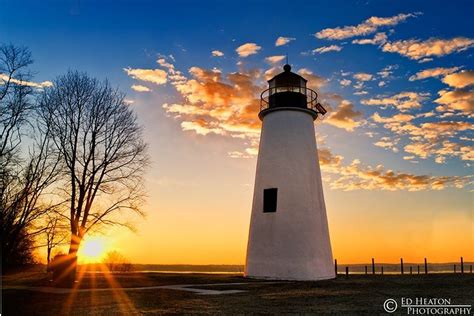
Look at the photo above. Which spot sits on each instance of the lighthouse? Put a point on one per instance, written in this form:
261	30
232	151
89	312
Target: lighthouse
289	234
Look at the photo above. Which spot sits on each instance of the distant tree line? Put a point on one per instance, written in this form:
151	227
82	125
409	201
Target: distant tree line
72	159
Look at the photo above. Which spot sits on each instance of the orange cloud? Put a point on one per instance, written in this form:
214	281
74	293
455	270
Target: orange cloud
156	76
417	49
280	41
403	101
355	176
460	80
247	49
457	100
275	59
369	26
344	116
433	72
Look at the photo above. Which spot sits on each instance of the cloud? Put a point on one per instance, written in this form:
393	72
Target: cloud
327	49
140	88
356	176
460	80
387	143
315	82
344	116
283	40
433	72
379	39
217	53
457	100
220	104
441	150
247	49
417	50
395	118
37	85
403	101
163	63
361	76
275	59
387	71
369	26
345	82
156	76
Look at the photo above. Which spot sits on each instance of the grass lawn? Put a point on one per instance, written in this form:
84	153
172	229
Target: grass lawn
357	294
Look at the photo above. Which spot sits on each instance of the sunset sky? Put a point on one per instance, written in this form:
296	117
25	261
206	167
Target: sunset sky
396	146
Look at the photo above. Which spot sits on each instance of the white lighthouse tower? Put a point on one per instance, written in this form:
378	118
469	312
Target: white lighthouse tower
289	235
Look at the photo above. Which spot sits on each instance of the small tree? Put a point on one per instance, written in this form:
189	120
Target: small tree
115	261
55	234
101	146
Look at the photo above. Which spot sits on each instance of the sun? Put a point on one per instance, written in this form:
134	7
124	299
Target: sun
92	250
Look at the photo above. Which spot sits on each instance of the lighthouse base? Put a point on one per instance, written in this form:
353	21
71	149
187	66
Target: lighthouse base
330	277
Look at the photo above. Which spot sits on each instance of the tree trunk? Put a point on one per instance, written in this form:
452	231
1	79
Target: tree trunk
48	258
70	274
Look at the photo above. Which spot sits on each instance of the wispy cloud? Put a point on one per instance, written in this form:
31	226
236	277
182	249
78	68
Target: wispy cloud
140	88
274	59
433	72
156	76
418	50
327	49
357	176
369	26
379	39
403	101
37	85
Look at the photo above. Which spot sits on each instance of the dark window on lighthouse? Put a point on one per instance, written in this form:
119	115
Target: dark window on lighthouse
270	200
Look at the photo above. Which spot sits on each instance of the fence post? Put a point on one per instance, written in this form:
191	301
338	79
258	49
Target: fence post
347	272
382	270
373	266
454	268
335	266
411	270
365	269
418	269
401	265
426	266
462	265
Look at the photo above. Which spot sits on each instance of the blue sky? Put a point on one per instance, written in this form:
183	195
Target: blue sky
195	148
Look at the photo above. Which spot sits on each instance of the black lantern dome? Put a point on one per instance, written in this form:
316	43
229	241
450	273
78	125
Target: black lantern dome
288	91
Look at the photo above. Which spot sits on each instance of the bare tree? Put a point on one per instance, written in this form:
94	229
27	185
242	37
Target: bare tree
14	98
100	144
116	262
22	180
55	234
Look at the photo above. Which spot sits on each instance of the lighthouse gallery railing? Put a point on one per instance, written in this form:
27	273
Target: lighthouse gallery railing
311	96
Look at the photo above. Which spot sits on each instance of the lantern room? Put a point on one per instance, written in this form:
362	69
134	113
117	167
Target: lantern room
288	90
